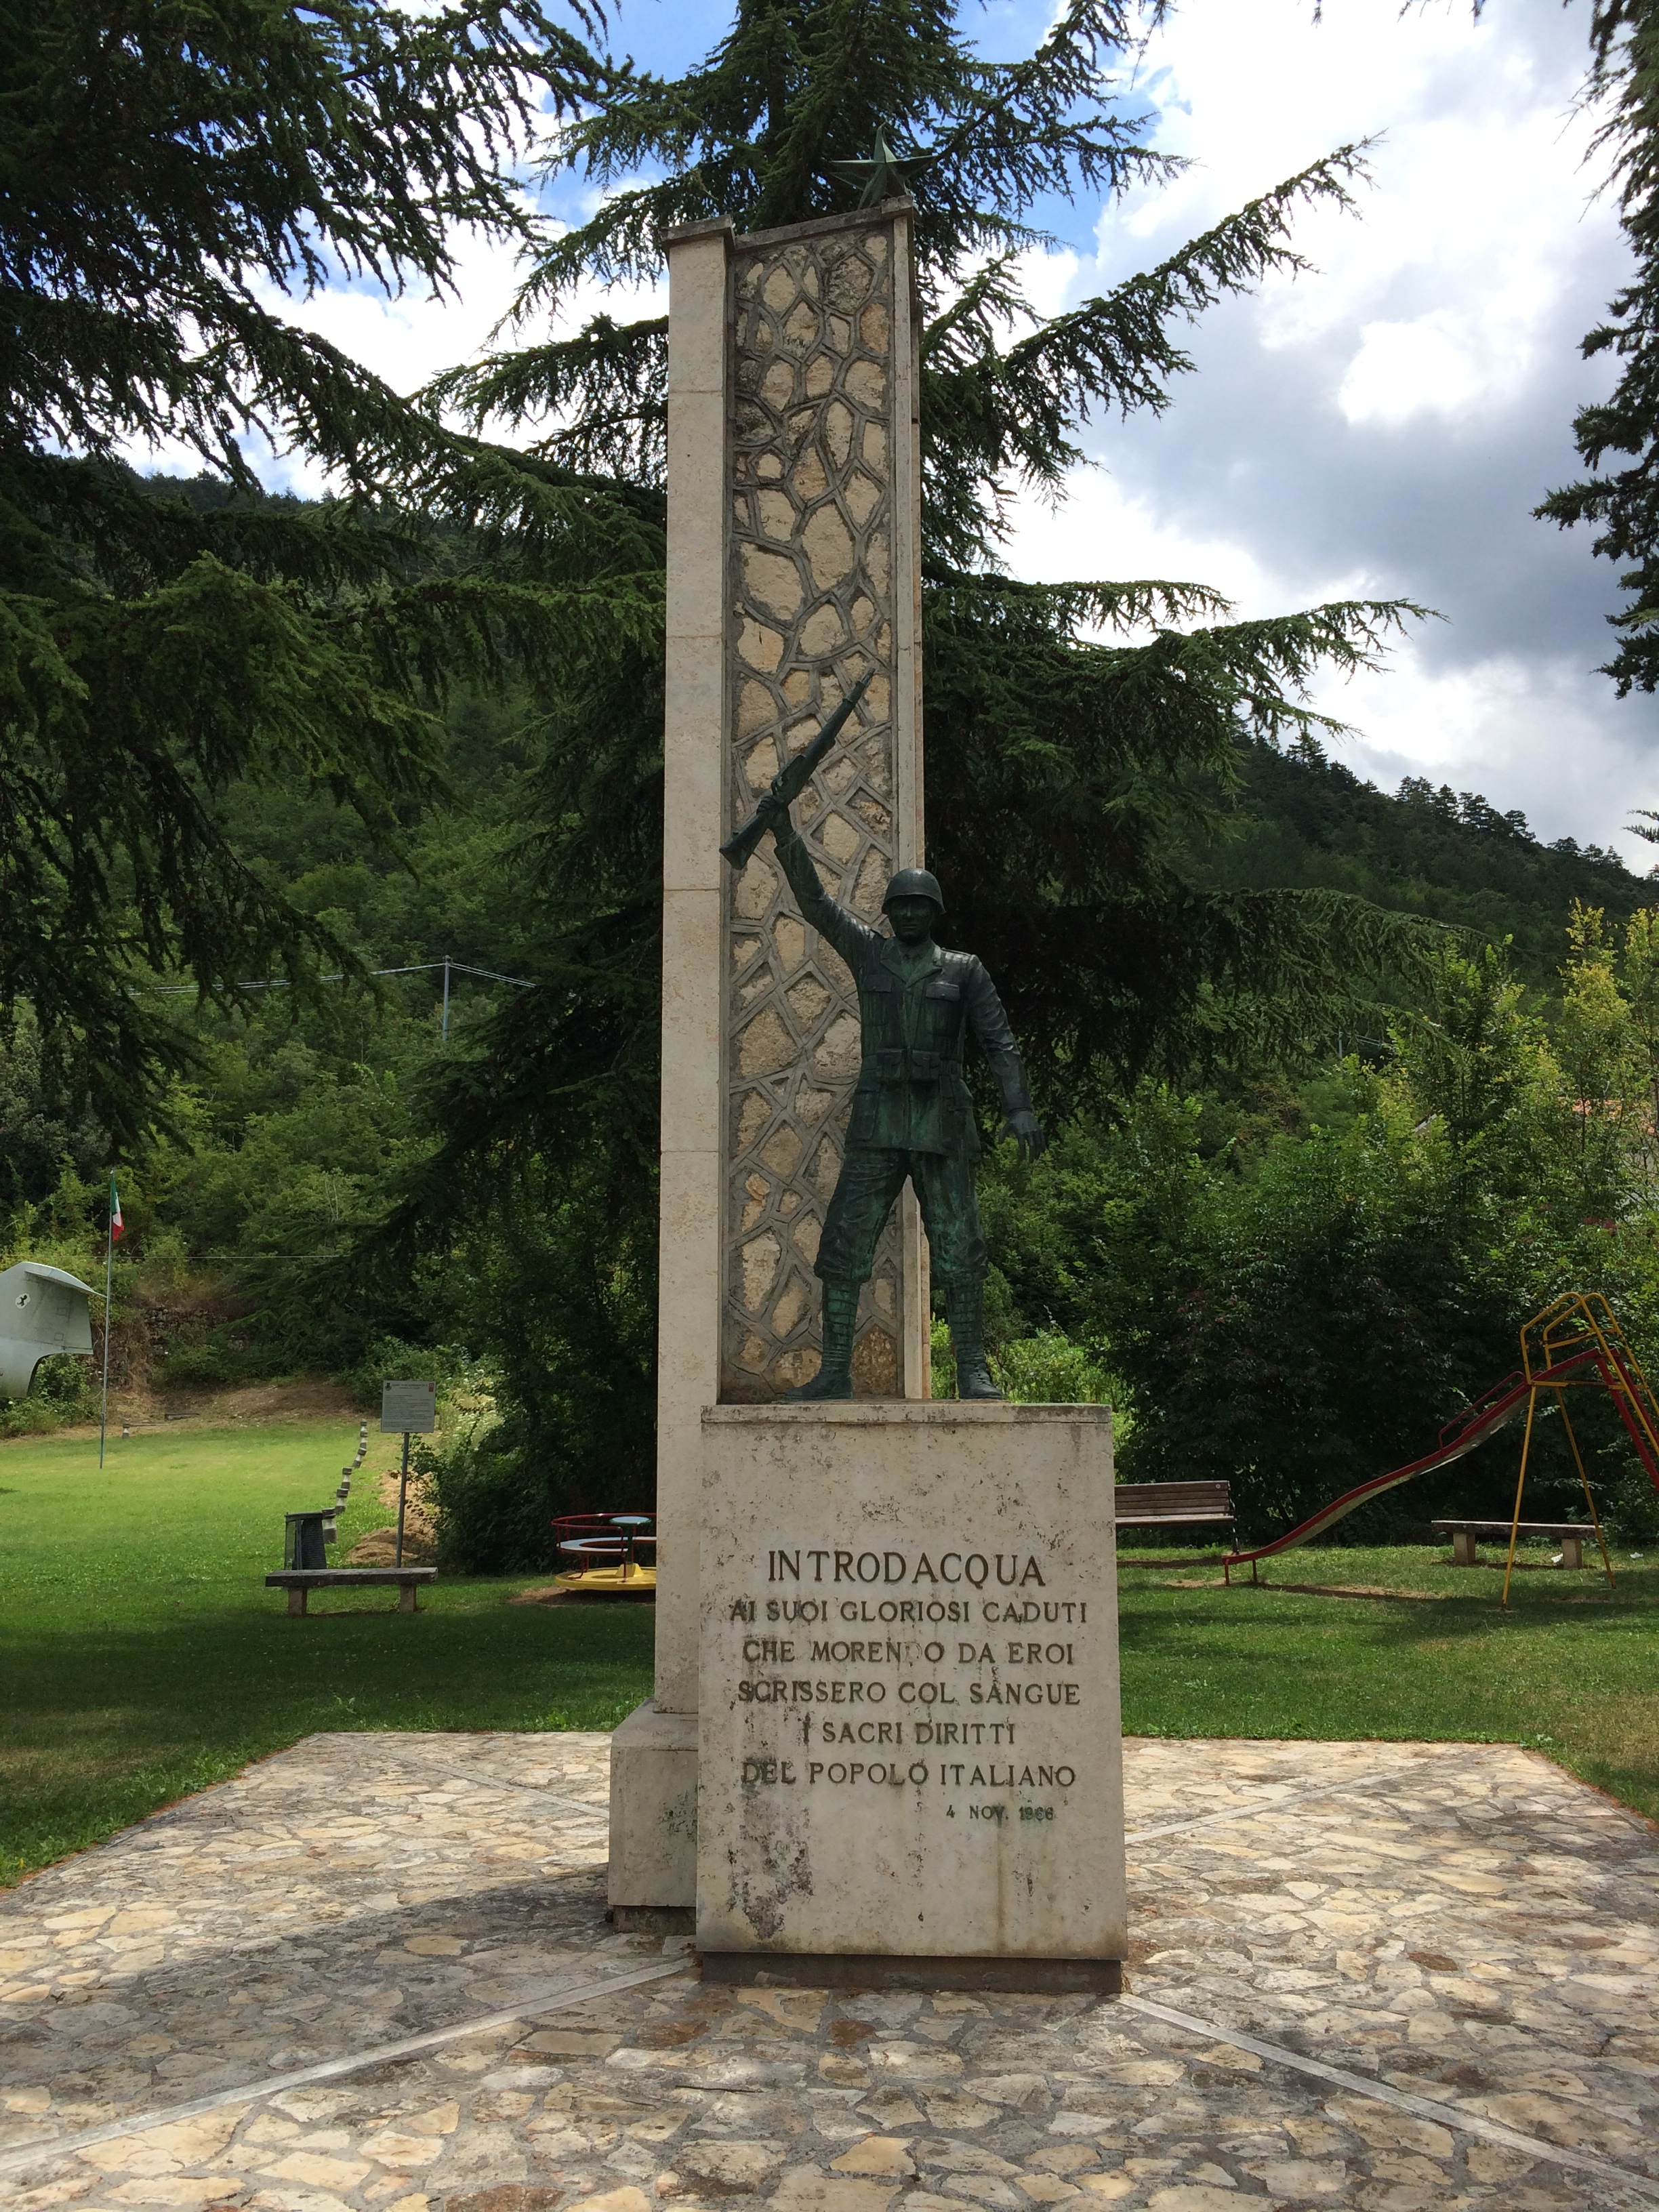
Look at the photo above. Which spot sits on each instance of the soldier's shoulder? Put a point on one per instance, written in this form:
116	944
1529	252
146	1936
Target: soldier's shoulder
964	967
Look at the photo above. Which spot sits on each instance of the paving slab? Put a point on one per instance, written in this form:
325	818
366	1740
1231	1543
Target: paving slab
1383	1976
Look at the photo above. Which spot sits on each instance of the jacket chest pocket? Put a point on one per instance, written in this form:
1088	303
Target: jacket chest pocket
941	1011
881	1009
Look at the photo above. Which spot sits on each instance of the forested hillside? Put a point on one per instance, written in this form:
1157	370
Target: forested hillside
1303	819
295	1124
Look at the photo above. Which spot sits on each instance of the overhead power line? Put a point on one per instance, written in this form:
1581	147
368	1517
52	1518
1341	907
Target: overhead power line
417	968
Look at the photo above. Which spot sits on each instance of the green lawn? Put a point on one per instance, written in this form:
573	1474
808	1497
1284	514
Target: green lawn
141	1656
1573	1669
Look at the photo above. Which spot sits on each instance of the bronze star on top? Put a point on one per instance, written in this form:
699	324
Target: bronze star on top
886	174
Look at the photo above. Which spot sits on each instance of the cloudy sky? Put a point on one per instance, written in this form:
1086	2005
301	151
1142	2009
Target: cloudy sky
1382	427
1385	425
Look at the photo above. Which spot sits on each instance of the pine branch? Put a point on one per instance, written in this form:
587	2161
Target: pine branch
604	390
995	420
752	133
216	146
1067	778
575	1060
1068	610
1623	83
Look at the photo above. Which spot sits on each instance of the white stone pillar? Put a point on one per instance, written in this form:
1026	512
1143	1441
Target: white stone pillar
653	1756
694	787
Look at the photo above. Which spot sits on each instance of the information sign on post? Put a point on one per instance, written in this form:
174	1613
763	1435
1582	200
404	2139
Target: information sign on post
408	1409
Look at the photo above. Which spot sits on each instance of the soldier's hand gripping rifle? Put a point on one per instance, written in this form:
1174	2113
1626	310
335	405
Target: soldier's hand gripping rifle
791	780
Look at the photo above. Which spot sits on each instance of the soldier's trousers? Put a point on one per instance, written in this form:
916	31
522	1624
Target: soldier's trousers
870	1181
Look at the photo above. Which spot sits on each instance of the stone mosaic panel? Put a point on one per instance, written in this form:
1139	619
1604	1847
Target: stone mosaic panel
810	561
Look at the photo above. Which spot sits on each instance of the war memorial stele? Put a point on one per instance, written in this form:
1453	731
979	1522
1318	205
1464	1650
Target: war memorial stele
884	1742
908	1734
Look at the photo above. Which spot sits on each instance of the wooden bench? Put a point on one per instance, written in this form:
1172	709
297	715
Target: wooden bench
300	1582
1172	1504
1465	1534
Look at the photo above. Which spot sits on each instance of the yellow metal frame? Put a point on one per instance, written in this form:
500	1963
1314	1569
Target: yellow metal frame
1576	1323
620	1580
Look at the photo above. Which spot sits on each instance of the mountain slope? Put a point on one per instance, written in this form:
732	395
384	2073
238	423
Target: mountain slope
1304	820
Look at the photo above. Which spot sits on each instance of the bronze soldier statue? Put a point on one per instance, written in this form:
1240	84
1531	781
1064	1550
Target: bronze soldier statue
911	1113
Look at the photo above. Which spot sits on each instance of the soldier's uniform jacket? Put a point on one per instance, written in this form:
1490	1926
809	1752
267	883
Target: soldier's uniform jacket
911	1095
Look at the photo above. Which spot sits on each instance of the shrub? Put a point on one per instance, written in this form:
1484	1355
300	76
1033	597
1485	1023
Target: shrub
1049	1369
197	1359
64	1391
493	1516
452	1367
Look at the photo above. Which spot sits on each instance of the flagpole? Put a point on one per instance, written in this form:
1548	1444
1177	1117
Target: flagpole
109	1275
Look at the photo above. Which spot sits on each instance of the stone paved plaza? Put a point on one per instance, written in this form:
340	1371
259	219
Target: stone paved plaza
1377	1975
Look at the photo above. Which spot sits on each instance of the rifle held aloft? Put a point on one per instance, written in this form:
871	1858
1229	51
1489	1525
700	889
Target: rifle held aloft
791	780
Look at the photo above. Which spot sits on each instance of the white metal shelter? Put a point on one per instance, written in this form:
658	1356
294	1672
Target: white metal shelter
42	1310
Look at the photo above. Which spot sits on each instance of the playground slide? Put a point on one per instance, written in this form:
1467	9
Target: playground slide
1504	1402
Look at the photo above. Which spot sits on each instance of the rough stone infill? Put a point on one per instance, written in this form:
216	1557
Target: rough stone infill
1462	1923
1468	1921
348	1892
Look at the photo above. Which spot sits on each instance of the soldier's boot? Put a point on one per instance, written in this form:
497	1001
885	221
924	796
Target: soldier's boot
964	1303
835	1377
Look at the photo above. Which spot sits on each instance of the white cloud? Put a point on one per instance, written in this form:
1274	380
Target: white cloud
1383	424
1099	531
1401	369
1048	280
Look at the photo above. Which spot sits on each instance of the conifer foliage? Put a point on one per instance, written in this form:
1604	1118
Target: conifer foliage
1618	439
171	171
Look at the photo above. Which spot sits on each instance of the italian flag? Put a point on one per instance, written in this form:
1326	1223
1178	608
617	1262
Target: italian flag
115	1221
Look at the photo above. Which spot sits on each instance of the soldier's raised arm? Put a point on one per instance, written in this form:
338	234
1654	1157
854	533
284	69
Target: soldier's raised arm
996	1040
849	936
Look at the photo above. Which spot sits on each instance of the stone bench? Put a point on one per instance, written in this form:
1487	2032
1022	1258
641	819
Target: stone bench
1465	1534
1172	1504
300	1582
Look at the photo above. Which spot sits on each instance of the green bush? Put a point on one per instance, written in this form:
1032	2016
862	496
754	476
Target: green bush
452	1367
198	1359
1296	1294
1049	1369
64	1391
493	1501
1330	1313
569	1306
1629	1506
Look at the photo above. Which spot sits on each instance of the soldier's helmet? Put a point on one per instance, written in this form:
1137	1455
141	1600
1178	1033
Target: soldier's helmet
914	883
